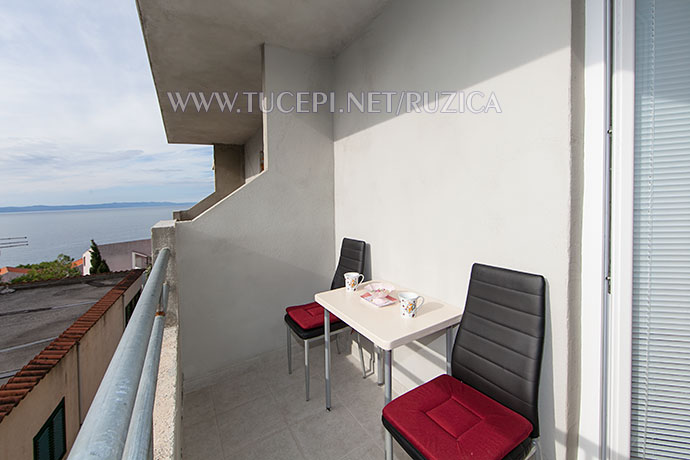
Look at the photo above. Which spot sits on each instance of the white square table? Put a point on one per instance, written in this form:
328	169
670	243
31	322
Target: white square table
386	328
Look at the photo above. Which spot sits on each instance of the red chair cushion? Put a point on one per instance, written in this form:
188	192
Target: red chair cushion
447	419
309	316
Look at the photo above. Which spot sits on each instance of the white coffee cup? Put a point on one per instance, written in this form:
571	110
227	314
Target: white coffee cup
410	303
352	280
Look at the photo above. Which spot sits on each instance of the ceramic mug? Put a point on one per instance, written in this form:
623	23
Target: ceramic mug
352	280
410	303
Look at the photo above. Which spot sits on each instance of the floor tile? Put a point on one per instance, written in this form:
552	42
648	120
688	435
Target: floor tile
238	386
292	403
247	423
278	446
201	440
197	405
370	450
328	435
365	400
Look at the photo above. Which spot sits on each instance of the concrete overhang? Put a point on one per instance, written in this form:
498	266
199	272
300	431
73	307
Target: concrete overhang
215	46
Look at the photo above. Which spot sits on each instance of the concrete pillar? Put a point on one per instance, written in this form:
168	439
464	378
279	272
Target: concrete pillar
228	164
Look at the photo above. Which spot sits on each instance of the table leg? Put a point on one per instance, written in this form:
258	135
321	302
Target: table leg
388	393
379	366
327	338
449	350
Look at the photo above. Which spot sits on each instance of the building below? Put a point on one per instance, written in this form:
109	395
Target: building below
7	274
46	398
126	255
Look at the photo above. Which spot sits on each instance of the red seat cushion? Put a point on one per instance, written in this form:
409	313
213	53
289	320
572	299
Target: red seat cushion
309	315
447	419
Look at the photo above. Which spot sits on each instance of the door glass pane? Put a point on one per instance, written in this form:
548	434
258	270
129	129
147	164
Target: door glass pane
660	419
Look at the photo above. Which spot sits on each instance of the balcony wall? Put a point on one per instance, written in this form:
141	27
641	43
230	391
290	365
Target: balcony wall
498	188
268	244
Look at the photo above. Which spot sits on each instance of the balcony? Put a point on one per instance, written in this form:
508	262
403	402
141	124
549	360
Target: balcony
431	192
255	410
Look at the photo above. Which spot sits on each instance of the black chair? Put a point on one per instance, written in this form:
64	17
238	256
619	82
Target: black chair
487	410
306	321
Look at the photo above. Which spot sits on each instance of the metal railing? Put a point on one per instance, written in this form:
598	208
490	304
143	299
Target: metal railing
119	424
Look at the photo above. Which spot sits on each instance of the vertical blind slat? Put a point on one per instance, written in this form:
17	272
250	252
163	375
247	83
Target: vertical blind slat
661	253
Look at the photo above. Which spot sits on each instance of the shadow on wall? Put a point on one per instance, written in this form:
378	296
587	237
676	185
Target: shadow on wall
241	321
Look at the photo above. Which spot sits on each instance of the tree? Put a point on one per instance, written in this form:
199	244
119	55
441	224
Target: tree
98	264
55	269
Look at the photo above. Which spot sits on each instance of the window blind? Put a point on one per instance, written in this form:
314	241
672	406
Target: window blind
49	443
660	419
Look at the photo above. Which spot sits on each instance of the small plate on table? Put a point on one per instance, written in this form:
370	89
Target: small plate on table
378	294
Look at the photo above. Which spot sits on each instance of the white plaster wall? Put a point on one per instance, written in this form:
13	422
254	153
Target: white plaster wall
433	193
253	149
267	245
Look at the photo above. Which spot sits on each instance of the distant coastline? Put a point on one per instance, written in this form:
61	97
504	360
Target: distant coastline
76	207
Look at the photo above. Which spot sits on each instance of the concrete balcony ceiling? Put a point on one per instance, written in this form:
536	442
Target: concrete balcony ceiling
215	45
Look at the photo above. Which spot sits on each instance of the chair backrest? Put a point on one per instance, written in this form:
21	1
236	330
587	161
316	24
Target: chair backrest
351	260
498	348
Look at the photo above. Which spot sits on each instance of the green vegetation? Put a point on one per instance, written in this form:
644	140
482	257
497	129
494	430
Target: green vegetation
55	269
98	264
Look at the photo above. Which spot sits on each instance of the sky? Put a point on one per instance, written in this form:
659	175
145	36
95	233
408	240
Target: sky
79	117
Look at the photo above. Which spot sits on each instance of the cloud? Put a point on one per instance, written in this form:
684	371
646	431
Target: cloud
79	116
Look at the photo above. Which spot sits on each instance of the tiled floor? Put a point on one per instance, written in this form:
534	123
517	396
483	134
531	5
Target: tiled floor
257	411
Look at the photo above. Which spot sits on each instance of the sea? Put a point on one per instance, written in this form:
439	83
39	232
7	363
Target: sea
51	233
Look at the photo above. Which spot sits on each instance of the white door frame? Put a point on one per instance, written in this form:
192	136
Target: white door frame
622	177
594	266
606	353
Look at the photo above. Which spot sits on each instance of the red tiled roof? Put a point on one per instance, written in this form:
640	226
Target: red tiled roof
5	270
77	263
12	392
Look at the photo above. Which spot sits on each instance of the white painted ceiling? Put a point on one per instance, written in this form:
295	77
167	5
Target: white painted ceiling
215	45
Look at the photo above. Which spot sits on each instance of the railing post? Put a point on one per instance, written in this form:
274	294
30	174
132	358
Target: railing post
104	431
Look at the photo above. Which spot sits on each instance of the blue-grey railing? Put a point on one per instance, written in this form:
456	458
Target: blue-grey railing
119	423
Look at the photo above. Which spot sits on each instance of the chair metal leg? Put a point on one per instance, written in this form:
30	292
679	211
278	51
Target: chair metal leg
372	361
532	451
306	366
361	356
289	348
337	343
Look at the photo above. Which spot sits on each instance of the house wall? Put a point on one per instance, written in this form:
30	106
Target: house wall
433	193
267	245
18	429
118	256
10	275
97	348
75	376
